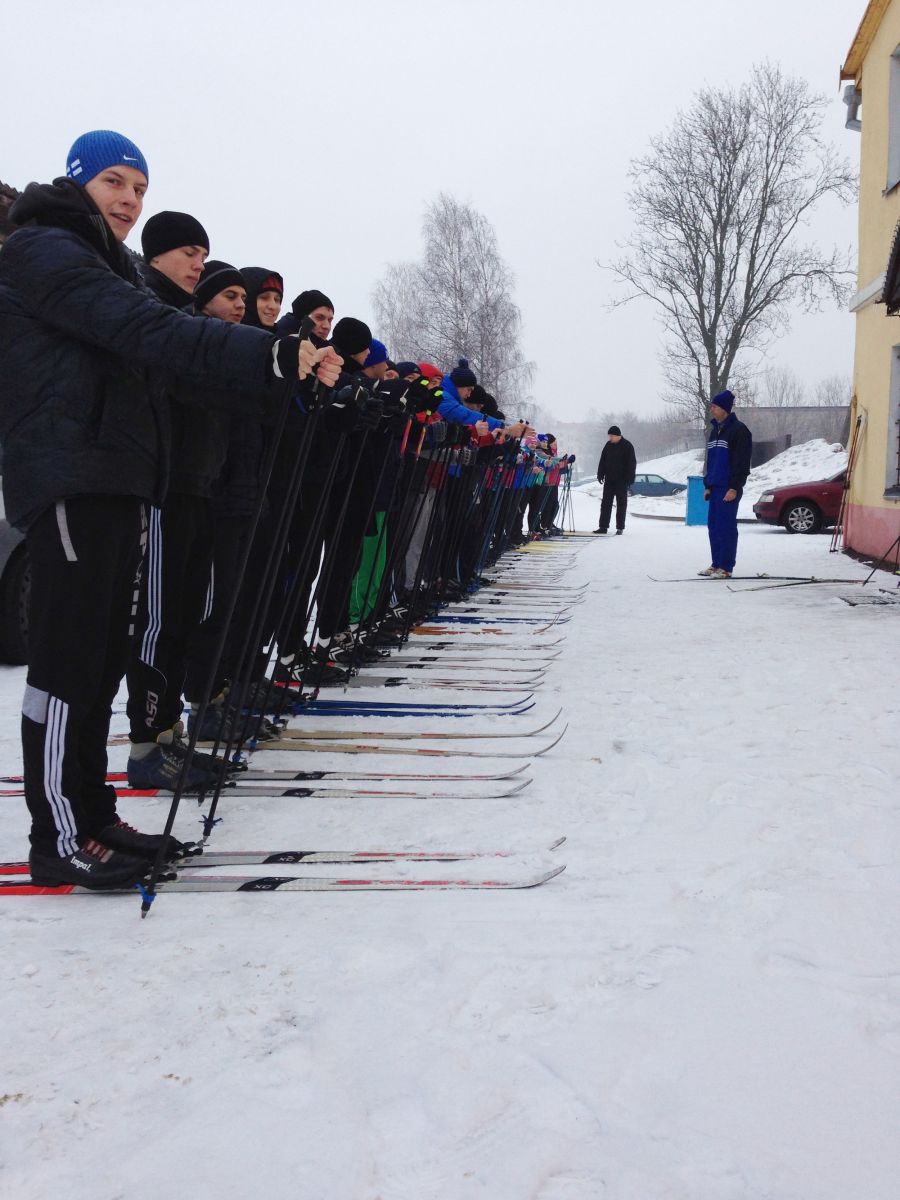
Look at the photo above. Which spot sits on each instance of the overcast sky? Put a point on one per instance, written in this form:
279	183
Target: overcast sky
310	137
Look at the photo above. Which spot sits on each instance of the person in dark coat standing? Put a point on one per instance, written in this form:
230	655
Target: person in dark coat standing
615	471
728	454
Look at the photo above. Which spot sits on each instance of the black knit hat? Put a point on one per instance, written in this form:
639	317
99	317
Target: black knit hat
168	231
615	429
216	277
351	336
407	368
463	375
307	302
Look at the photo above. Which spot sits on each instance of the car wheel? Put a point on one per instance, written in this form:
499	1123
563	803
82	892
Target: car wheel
674	491
15	591
802	517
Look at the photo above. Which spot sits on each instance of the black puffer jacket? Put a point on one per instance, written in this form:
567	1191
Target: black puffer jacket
617	464
198	432
83	348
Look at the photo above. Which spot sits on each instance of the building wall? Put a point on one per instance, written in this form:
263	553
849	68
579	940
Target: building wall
873	518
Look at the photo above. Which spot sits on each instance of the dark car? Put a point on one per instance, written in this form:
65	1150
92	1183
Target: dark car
802	507
655	485
15	584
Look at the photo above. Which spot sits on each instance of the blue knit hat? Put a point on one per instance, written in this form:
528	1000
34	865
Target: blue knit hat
377	354
724	400
101	148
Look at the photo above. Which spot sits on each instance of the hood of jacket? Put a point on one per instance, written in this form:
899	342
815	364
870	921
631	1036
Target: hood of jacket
255	277
64	205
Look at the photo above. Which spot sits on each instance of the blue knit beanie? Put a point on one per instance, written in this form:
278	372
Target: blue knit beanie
101	148
463	375
377	354
724	400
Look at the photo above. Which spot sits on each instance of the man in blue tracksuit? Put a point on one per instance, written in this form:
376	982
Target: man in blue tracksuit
727	467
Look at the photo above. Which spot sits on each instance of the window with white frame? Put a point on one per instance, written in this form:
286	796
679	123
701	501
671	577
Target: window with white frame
893	169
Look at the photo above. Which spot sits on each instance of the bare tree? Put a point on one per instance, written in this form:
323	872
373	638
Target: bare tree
721	202
834	391
457	303
782	388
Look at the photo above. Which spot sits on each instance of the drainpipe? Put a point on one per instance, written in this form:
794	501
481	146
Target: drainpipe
853	99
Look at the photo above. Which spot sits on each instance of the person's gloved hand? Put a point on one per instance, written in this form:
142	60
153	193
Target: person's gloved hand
437	433
370	413
343	413
392	393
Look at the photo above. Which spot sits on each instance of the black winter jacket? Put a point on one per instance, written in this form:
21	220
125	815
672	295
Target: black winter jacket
198	432
617	464
83	348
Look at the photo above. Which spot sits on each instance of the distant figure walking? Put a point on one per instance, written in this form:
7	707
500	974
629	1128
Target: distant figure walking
727	467
615	471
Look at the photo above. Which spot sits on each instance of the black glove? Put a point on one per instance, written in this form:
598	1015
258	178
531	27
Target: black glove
343	413
392	392
419	399
457	435
397	423
370	413
286	357
571	458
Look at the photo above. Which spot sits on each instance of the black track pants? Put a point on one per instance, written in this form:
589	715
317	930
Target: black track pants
84	555
619	493
176	594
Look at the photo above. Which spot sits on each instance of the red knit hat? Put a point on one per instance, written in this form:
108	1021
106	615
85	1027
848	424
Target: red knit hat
430	371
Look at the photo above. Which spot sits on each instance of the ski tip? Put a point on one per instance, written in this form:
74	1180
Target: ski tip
556	845
546	877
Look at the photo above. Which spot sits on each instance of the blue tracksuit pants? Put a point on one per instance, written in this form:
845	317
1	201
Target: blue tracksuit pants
723	531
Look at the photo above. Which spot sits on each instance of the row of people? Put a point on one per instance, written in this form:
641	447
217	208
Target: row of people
204	483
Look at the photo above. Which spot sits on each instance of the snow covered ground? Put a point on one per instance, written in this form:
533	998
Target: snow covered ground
704	1006
807	461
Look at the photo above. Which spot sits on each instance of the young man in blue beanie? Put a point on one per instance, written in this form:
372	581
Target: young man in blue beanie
85	352
728	453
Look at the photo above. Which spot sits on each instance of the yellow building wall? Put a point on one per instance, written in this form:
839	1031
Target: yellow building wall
871	516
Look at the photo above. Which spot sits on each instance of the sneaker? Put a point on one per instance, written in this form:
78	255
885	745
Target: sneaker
128	840
324	671
710	571
599	531
720	574
153	766
175	740
218	725
94	866
384	637
619	532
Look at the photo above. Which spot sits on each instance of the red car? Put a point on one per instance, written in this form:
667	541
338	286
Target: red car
802	507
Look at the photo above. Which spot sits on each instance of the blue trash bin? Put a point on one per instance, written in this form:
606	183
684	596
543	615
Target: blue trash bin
697	508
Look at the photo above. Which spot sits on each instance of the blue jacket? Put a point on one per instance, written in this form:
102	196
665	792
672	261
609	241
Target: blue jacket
85	354
728	453
452	408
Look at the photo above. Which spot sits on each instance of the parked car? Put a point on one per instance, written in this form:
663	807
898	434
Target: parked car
15	585
802	507
655	485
